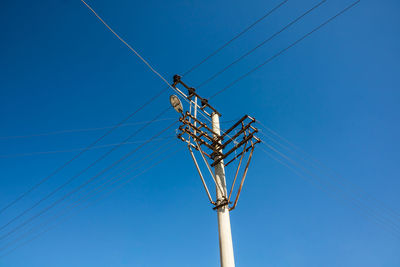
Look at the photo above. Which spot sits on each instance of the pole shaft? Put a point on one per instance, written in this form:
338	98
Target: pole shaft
224	224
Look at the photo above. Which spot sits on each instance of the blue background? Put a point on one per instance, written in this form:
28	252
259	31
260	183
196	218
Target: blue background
335	95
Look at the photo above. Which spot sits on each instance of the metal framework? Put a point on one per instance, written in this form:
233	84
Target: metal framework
199	135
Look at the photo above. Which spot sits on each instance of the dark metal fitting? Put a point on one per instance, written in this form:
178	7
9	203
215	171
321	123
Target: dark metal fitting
221	203
204	102
177	78
191	91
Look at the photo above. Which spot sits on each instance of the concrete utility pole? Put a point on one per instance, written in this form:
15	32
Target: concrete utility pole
224	222
207	139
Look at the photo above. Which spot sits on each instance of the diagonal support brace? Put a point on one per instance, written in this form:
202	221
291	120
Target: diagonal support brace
243	178
201	175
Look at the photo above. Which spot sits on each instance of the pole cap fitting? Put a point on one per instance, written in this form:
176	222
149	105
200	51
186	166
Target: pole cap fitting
191	90
177	78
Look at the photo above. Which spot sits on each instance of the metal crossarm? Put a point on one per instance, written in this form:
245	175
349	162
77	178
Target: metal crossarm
191	93
200	122
234	126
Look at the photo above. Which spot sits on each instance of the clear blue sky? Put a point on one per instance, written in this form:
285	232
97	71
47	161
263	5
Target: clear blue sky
336	95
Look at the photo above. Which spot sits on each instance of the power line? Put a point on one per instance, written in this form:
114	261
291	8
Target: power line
144	61
78	130
87	206
95	191
10	204
73	149
126	44
83	185
236	37
393	229
81	172
330	173
260	44
129	46
201	112
338	190
124	157
79	153
285	49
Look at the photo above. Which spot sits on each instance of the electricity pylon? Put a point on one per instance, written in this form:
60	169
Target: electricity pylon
210	142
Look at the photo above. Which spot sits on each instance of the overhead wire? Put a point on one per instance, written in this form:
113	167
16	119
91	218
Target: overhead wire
71	179
285	49
115	163
331	174
78	130
320	184
123	121
131	163
201	112
153	70
64	165
392	224
72	149
215	75
87	206
149	66
107	182
241	77
235	37
31	189
127	45
339	191
282	51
